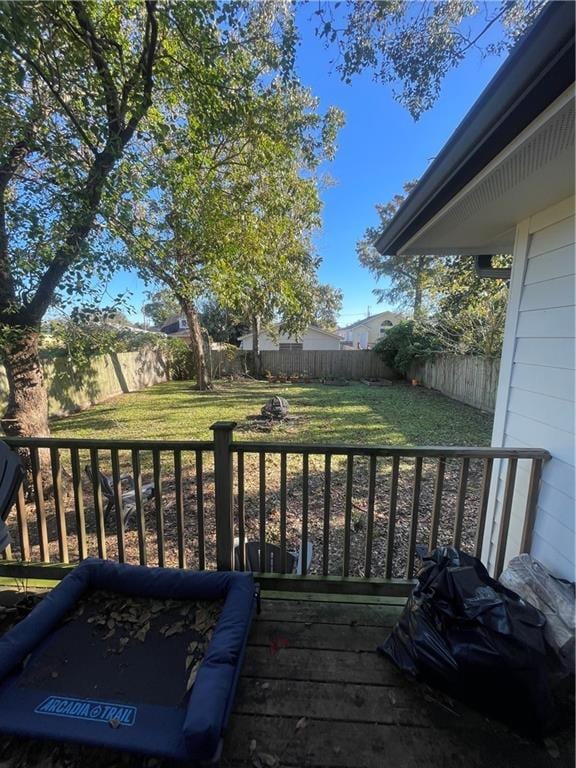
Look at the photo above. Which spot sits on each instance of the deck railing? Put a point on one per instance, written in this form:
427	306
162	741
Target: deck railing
364	508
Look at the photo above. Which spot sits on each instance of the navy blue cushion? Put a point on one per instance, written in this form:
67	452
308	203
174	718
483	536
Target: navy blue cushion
193	732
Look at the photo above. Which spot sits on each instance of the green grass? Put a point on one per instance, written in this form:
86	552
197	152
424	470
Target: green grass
395	415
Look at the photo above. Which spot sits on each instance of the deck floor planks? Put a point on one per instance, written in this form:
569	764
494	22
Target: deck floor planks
315	694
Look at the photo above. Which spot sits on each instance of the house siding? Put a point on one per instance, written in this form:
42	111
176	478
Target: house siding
535	405
367	333
312	340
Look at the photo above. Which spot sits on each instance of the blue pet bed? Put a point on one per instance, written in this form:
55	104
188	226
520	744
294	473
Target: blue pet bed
56	681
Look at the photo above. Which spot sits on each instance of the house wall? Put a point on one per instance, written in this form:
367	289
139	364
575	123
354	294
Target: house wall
535	399
367	333
311	340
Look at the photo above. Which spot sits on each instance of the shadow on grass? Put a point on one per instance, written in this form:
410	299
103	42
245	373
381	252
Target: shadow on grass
356	414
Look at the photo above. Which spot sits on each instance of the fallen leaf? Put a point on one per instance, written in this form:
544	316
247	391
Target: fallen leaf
114	723
252	745
174	629
192	675
268	760
301	724
141	634
552	748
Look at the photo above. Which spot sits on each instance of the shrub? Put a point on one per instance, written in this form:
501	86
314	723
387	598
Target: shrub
407	343
180	360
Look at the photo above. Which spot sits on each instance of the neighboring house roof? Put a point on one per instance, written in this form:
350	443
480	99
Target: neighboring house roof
170	321
537	72
309	328
365	320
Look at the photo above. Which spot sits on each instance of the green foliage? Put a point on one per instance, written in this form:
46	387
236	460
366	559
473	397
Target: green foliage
466	313
410	277
161	305
406	343
87	333
412	46
229	208
75	83
180	359
221	324
328	304
471	311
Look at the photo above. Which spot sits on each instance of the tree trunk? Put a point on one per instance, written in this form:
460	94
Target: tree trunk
27	412
202	375
256	345
418	288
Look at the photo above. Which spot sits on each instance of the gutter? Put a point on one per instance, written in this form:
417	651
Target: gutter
538	70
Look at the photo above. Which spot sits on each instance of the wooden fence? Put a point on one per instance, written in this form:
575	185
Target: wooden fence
104	376
365	508
471	380
319	364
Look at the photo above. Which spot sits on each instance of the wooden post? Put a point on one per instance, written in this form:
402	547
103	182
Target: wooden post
223	436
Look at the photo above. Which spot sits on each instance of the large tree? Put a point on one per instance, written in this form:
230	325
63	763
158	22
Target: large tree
76	81
470	311
160	305
87	91
327	306
220	323
410	278
231	202
411	46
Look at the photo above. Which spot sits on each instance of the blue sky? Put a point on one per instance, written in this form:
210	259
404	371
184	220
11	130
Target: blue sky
379	149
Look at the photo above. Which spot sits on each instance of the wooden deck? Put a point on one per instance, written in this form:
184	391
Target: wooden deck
315	693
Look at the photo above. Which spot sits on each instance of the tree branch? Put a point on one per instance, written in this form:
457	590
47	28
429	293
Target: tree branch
110	92
146	67
8	169
55	92
89	199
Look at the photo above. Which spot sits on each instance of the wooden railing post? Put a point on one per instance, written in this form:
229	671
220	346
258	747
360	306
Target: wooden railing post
223	436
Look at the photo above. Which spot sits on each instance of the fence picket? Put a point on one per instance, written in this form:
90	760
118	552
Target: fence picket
98	504
283	511
58	504
39	503
79	503
348	514
326	521
140	521
392	516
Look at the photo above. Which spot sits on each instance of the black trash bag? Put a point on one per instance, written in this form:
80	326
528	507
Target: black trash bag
468	635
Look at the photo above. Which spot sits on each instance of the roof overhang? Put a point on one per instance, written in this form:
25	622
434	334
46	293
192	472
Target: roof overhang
512	155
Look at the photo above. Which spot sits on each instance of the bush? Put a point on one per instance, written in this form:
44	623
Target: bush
180	360
407	343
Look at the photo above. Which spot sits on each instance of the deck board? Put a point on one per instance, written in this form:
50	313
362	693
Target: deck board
315	694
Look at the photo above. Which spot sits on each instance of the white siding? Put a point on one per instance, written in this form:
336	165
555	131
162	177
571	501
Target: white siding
315	340
312	339
536	399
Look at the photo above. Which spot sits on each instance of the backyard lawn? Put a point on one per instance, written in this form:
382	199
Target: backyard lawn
394	415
